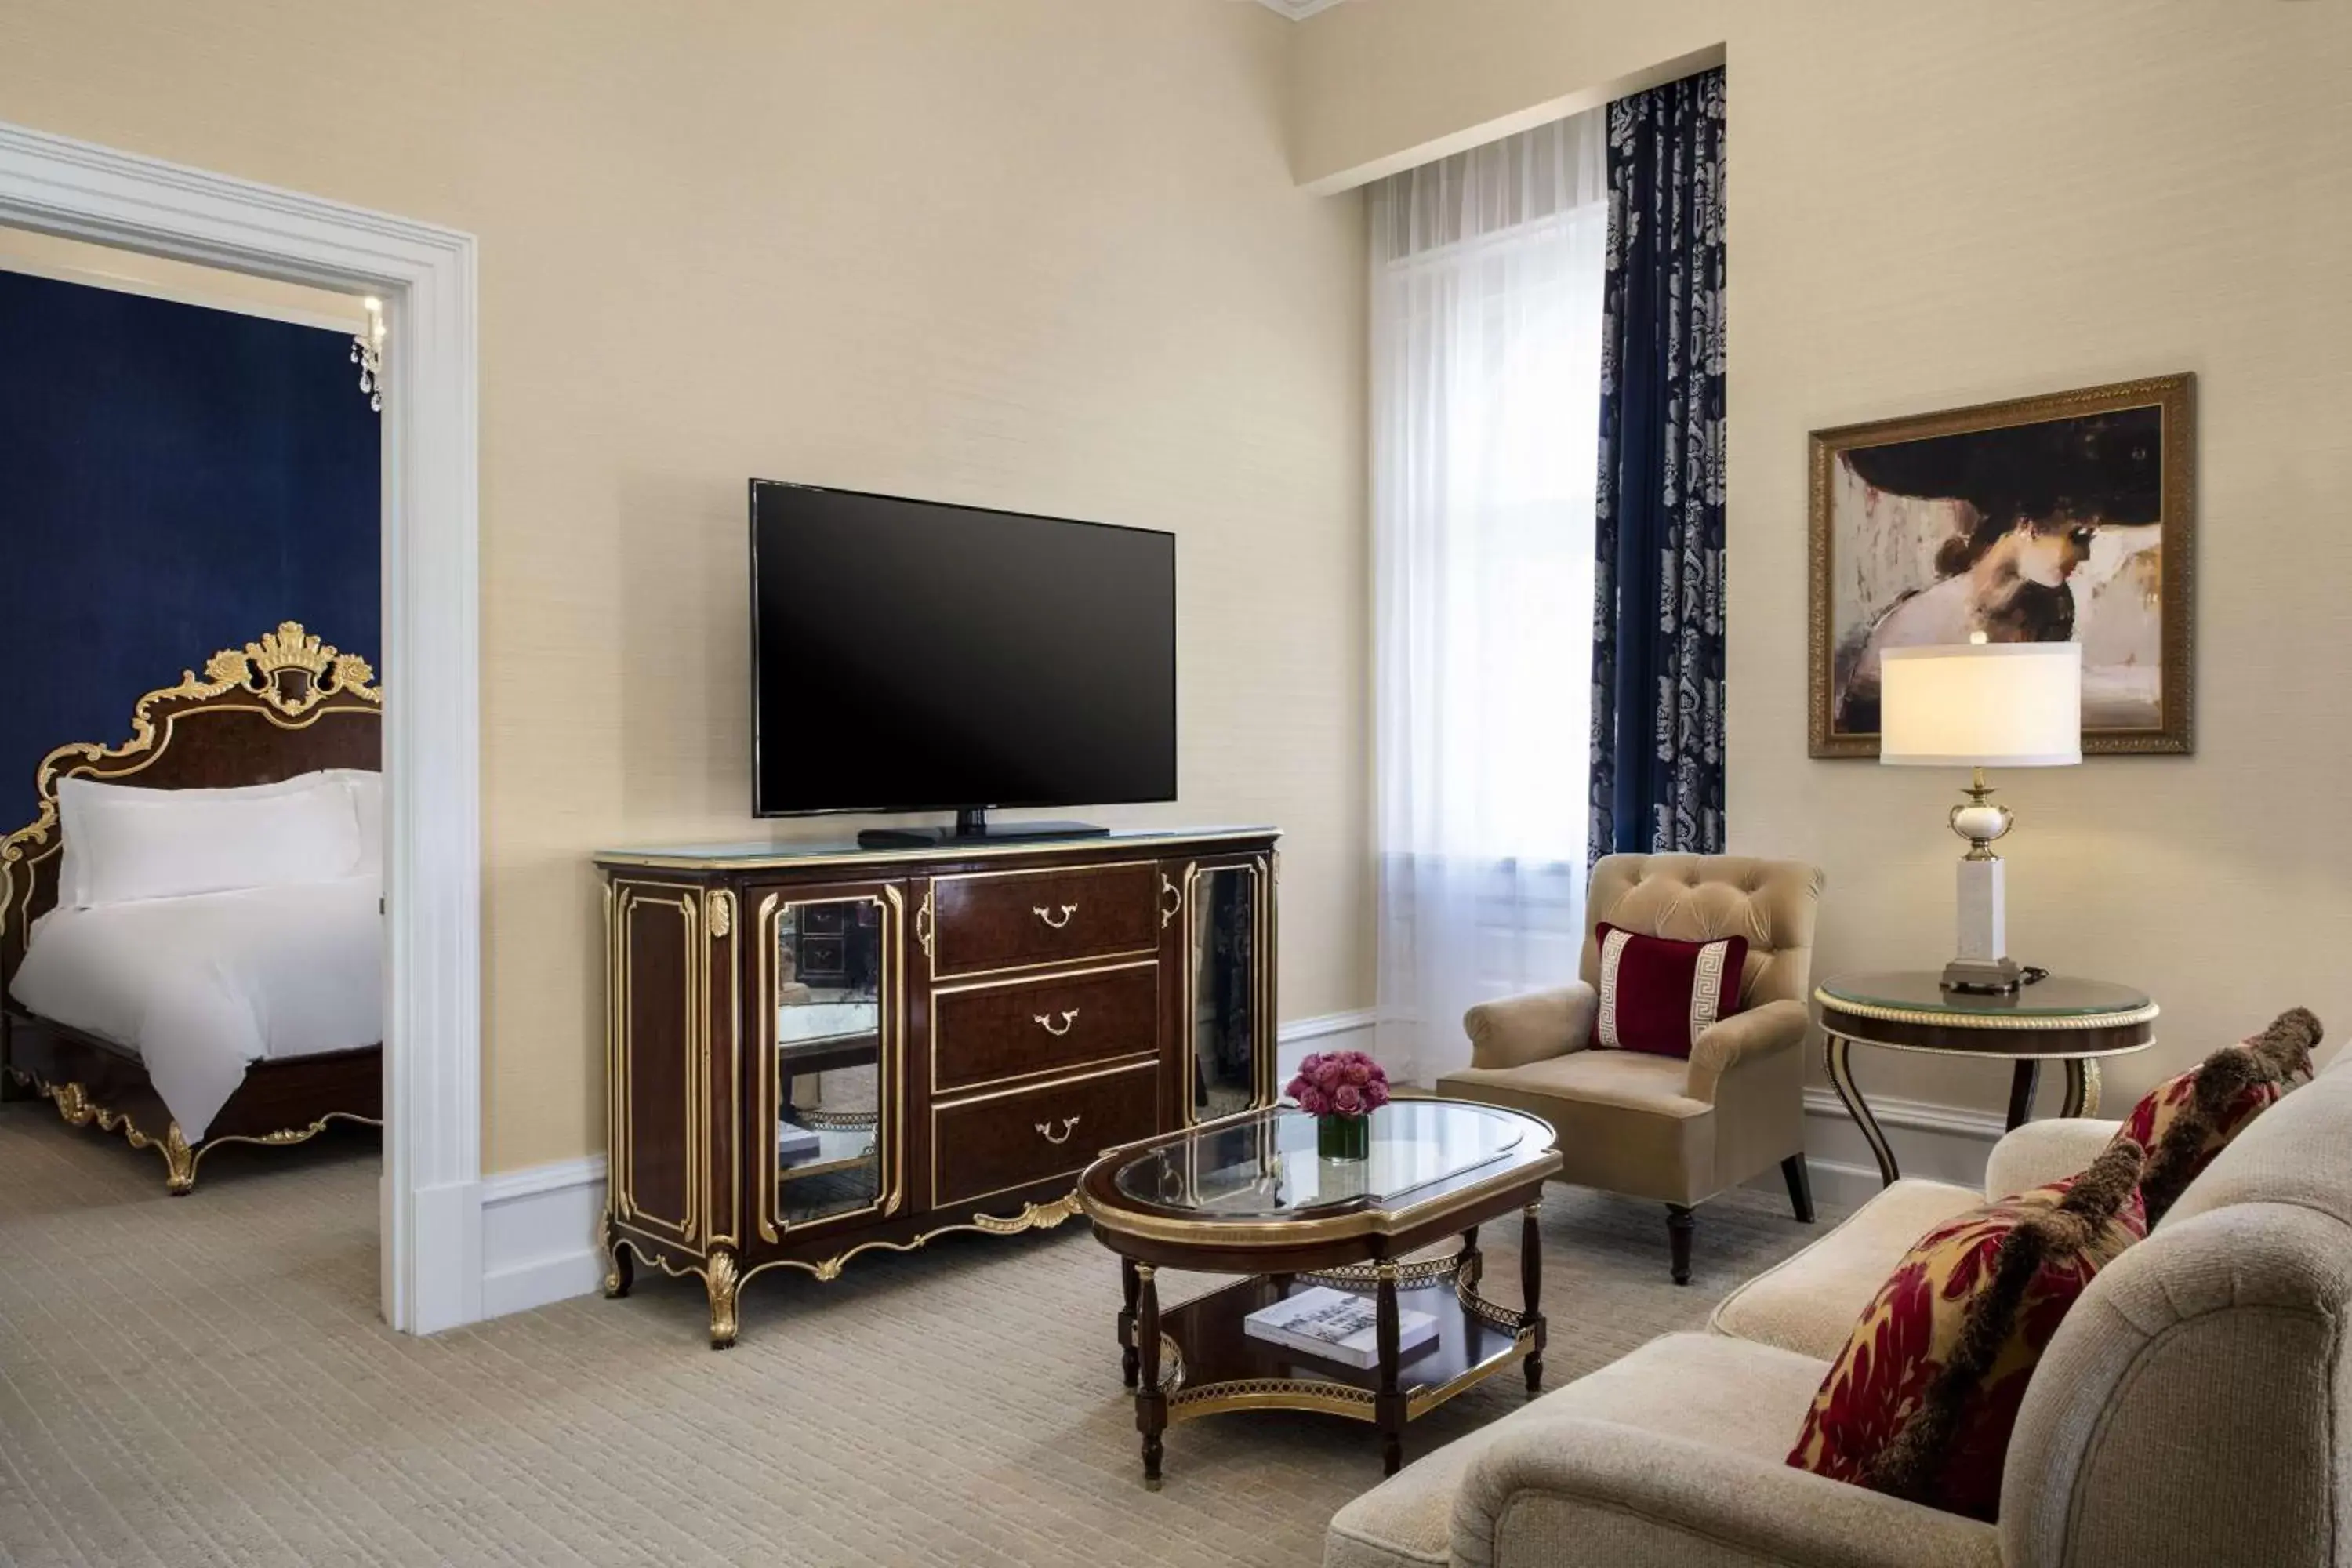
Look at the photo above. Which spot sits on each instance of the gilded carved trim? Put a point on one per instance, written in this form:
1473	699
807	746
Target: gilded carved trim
179	1158
284	675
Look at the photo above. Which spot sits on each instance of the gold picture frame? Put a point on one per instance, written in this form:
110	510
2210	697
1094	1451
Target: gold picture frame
2070	516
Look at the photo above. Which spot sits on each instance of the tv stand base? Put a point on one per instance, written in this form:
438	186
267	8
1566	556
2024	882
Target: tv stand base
973	827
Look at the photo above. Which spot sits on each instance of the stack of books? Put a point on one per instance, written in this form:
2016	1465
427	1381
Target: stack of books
1335	1326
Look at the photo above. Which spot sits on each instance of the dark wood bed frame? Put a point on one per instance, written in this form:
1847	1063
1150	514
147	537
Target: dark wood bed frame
286	705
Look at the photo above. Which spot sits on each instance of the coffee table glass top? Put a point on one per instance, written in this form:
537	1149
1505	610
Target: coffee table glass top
1265	1165
2056	997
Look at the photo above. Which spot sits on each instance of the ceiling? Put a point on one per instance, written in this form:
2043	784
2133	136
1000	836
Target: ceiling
1297	10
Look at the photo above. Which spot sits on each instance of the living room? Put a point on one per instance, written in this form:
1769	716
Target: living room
1125	263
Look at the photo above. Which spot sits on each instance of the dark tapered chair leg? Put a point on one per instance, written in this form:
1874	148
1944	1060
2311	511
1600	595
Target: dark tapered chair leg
1678	1234
1800	1188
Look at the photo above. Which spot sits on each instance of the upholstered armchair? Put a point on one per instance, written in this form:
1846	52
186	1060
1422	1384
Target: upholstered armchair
1660	1127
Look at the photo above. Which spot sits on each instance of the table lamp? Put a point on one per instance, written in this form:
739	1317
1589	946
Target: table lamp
1981	705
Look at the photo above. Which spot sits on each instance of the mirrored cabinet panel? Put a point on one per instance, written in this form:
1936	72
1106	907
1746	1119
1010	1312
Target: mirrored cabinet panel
833	1053
1228	1032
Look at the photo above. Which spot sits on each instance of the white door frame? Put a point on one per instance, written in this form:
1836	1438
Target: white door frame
431	1223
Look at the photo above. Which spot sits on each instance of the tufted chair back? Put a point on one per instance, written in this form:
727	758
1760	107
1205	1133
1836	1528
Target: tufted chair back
1699	898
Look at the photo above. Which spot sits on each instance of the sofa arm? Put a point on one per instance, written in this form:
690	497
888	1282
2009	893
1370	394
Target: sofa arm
1577	1493
2041	1153
1531	1028
1724	1043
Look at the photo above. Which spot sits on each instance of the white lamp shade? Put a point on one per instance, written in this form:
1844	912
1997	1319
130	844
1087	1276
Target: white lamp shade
2009	704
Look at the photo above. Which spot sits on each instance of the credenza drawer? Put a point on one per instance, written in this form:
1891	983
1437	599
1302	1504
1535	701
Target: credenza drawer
1005	1030
1007	920
1005	1140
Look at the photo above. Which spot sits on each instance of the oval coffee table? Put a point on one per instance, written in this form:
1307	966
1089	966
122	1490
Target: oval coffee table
2055	1019
1248	1194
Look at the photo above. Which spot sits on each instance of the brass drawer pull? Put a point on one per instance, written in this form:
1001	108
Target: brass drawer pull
1068	1122
1069	1016
1168	911
1042	914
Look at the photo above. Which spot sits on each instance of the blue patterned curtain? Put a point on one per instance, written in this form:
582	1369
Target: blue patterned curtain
1657	641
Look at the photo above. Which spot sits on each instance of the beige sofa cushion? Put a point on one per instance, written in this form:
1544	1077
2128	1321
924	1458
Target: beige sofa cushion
1751	1398
1675	1458
1810	1303
1623	1120
2041	1153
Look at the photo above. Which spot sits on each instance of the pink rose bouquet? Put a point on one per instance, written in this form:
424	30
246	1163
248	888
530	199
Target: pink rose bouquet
1339	1083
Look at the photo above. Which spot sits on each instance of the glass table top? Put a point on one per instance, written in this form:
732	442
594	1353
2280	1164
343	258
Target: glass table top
1920	990
1265	1165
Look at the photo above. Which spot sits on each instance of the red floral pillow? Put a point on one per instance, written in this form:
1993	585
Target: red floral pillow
1922	1401
2187	1120
1657	995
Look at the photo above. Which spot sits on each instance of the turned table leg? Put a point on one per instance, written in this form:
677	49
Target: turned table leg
1531	1292
1471	1267
1150	1402
1130	1287
1389	1406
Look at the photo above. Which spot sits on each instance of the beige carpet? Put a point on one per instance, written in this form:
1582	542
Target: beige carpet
202	1380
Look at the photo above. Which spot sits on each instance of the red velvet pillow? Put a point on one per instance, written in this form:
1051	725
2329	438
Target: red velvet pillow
2187	1120
1921	1402
1657	994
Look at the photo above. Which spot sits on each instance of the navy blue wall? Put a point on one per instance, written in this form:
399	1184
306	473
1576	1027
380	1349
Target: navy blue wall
173	480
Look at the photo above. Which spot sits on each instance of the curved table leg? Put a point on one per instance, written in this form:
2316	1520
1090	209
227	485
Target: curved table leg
2082	1087
1840	1066
2024	1080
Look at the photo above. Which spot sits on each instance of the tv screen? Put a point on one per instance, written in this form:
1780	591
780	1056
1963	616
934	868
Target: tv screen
908	656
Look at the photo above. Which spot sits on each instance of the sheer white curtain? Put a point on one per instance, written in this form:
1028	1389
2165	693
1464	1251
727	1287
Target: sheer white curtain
1486	301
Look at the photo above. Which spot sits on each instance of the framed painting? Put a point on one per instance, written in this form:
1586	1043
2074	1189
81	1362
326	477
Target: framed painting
2068	518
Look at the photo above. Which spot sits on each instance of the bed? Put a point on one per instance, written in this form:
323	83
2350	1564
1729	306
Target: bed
229	1014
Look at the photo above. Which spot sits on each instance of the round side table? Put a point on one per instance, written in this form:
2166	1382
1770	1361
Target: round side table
2057	1018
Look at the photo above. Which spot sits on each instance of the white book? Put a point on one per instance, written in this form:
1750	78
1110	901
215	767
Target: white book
1335	1326
793	1140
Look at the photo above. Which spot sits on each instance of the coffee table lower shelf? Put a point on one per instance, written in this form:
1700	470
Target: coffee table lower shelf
1210	1364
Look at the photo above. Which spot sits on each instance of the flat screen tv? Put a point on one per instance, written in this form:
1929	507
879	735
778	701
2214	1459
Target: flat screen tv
911	656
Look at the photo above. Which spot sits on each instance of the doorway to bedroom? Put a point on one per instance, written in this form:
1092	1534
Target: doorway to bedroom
192	948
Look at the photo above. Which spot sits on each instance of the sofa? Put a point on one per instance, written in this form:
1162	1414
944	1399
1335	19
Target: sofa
2195	1407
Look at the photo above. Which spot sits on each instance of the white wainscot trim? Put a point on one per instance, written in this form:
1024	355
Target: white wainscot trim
1329	1032
542	1226
541	1234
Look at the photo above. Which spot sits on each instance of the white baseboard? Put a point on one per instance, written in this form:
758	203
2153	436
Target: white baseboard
1946	1142
539	1225
540	1241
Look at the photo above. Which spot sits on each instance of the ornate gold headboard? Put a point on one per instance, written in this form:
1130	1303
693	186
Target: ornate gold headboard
284	705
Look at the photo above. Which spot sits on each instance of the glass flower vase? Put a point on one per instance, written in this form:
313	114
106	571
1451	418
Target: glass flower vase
1343	1137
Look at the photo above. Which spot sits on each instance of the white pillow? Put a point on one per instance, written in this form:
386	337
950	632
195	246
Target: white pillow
124	844
367	799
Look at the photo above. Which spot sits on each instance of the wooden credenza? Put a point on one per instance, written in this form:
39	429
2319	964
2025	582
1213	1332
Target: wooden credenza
813	1052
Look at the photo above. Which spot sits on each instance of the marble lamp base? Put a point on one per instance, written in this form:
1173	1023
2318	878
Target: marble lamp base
1982	963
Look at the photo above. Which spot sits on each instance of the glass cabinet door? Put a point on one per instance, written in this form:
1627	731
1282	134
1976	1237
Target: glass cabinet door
1229	1035
831	1074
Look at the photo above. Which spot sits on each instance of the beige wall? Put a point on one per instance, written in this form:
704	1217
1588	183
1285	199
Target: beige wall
1937	205
1036	254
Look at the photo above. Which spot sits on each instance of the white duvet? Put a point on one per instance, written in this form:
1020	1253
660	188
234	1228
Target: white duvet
202	987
